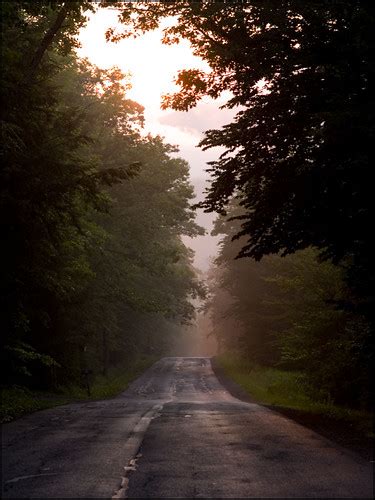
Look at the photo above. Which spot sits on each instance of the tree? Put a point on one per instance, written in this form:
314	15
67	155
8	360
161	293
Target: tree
90	274
282	311
46	181
144	277
245	316
297	155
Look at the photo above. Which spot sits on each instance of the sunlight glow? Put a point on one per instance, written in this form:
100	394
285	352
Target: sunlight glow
153	68
152	65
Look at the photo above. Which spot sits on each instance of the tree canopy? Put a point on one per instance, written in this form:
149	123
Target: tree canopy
282	312
93	268
297	154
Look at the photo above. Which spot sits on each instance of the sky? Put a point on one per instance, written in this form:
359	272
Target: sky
152	68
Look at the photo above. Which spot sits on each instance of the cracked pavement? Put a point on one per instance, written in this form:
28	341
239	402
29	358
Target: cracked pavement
176	432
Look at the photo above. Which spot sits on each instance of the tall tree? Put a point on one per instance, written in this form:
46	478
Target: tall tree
87	271
297	155
282	311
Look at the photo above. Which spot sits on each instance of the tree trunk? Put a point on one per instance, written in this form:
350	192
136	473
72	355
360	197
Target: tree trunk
45	43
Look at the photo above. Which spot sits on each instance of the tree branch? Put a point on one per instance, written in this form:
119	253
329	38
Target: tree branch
45	43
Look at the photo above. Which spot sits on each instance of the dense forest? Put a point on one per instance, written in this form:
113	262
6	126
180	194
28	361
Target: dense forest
94	272
285	312
294	283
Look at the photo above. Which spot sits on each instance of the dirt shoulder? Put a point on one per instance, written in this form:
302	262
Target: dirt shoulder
343	432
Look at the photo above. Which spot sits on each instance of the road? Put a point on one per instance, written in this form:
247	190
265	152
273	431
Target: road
176	432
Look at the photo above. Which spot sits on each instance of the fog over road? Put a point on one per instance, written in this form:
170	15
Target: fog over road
176	432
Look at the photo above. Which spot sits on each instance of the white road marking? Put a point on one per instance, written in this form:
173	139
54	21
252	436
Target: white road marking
21	478
132	446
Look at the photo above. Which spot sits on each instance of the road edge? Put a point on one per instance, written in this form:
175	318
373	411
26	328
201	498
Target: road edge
360	448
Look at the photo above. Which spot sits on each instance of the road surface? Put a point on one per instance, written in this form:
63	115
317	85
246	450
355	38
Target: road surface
176	432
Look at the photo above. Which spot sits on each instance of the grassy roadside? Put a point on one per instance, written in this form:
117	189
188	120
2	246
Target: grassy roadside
286	393
17	401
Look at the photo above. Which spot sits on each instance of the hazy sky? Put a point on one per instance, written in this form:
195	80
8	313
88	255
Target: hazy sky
152	67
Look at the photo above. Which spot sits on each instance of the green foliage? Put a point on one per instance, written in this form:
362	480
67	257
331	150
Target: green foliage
243	299
17	401
297	156
117	381
284	312
295	173
92	275
23	355
269	385
286	389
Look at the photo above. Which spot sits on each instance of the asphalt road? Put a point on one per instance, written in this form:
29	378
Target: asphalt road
176	432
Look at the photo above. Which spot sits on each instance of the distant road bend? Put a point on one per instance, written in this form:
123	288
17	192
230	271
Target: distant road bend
176	432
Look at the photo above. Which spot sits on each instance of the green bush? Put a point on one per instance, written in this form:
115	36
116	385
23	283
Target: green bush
17	401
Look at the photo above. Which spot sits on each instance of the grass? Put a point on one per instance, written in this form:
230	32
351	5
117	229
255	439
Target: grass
287	390
17	401
106	387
